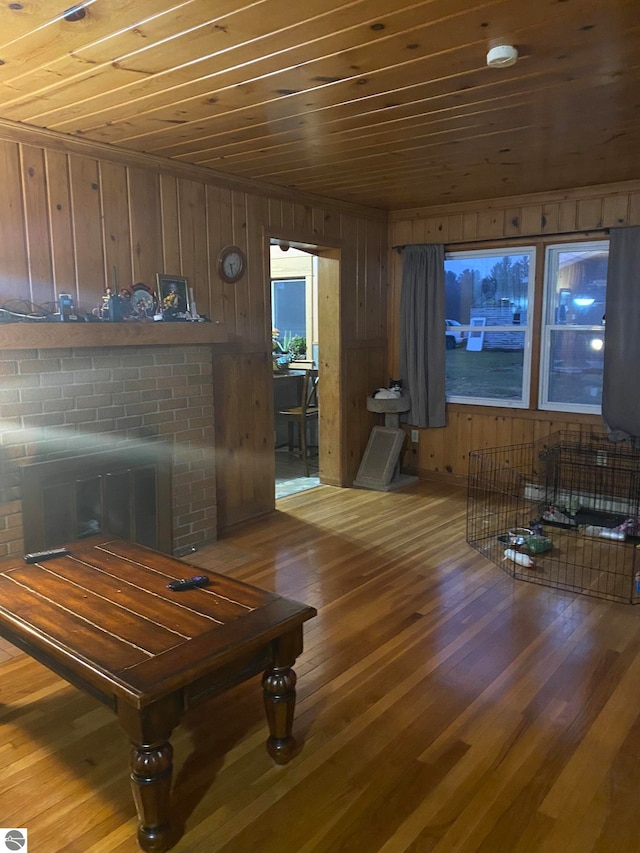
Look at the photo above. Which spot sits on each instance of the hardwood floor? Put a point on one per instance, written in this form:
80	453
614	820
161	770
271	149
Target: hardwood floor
443	706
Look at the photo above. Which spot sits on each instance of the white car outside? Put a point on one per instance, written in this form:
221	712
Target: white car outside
453	336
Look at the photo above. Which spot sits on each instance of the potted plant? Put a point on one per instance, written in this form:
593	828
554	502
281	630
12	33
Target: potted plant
297	346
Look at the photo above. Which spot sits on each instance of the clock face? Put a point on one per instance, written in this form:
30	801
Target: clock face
142	303
231	264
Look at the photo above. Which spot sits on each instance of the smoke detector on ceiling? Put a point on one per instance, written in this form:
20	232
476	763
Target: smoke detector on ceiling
501	56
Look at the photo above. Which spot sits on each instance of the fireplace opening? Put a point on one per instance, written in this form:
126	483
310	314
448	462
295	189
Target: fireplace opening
124	493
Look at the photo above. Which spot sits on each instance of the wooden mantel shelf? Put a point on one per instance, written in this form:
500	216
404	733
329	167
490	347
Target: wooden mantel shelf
36	335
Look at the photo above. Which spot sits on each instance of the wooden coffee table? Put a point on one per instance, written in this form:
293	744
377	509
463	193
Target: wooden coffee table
104	619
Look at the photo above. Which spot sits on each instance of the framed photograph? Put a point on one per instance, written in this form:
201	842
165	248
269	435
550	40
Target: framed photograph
173	294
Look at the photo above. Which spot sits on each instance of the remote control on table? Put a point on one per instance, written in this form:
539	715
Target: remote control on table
188	583
41	556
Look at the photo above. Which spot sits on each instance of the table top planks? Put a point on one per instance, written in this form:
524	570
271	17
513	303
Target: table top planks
105	611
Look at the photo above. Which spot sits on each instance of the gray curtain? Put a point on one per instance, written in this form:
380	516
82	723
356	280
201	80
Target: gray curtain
422	338
620	398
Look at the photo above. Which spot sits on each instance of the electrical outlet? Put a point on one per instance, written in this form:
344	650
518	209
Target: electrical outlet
415	435
601	458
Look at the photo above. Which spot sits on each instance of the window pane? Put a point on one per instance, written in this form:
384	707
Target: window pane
487	297
573	333
487	283
288	313
576	284
493	372
575	368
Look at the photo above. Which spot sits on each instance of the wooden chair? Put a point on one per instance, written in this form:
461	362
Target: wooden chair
303	414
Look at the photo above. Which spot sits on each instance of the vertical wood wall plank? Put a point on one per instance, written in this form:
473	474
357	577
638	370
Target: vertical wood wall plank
432	449
455	228
38	235
303	218
63	250
225	208
512	221
490	223
257	276
332	226
463	434
14	270
274	214
419	231
349	272
589	213
246	435
258	413
365	367
211	301
317	223
375	278
241	294
171	260
550	218
531	219
117	232
469	226
87	229
568	218
521	430
437	230
146	226
358	285
193	234
615	211
401	237
288	221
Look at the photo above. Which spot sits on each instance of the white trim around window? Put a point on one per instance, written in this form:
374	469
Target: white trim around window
487	291
573	331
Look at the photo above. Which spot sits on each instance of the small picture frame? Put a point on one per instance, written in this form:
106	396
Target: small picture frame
173	294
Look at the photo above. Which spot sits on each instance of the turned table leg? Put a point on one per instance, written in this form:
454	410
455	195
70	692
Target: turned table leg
151	769
279	701
149	730
279	691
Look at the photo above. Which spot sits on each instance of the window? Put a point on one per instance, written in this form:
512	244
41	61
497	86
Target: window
572	347
288	307
489	299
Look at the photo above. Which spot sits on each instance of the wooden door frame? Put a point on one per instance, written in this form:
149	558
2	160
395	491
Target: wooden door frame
331	452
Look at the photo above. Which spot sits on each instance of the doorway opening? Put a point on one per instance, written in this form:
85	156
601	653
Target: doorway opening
295	353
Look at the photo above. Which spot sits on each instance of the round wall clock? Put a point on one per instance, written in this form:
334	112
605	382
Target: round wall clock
231	264
142	303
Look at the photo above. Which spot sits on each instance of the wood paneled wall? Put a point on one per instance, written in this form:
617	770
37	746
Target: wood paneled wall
80	217
500	222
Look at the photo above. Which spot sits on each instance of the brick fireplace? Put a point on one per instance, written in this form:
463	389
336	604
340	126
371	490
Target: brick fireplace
57	403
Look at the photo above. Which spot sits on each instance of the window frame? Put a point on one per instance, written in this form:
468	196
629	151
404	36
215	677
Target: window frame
527	330
282	279
546	329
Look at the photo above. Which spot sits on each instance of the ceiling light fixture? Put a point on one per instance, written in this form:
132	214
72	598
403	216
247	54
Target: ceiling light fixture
502	56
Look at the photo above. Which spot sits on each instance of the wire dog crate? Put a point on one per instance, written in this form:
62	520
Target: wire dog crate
562	512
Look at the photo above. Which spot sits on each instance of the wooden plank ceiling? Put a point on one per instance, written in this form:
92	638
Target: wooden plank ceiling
387	103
